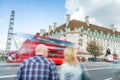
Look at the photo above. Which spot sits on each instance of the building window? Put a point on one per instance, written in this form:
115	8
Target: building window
80	44
80	35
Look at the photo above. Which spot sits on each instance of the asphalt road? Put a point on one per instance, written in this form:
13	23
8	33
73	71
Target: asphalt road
97	71
103	71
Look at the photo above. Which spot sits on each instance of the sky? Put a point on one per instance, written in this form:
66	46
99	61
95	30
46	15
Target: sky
33	15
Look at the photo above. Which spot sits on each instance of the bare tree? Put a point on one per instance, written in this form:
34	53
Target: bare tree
94	48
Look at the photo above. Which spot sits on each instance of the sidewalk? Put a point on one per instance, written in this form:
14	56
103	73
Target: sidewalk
5	63
98	63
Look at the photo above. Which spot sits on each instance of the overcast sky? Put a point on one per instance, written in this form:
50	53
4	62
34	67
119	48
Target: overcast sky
32	15
100	12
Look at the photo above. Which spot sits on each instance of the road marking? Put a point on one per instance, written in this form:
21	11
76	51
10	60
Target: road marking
109	79
7	68
8	76
100	68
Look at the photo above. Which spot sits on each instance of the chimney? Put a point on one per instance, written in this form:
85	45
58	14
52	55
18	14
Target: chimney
42	32
54	26
50	28
87	20
112	27
67	19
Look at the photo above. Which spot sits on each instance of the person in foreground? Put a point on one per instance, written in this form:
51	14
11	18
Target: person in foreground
38	67
71	69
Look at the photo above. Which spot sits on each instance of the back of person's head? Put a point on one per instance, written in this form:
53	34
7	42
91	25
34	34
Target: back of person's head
41	49
70	56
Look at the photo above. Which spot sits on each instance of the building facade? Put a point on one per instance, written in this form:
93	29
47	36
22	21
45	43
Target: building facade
81	32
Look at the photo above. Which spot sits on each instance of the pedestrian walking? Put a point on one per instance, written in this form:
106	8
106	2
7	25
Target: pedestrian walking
108	52
71	69
38	67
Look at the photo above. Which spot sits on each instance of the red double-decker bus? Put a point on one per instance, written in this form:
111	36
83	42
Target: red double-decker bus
27	49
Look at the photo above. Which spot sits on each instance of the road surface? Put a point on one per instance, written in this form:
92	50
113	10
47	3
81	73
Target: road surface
97	70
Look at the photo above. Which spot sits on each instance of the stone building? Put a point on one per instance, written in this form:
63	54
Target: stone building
81	32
